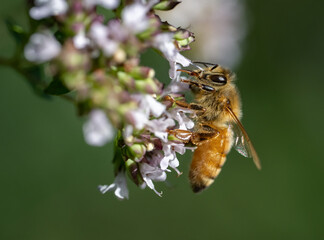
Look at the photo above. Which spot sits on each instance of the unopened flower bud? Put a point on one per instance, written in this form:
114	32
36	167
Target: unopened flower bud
142	72
183	39
166	5
154	24
72	59
134	172
147	86
137	150
74	80
126	80
120	56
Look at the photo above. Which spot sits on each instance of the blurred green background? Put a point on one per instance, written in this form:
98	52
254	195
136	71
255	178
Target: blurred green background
49	176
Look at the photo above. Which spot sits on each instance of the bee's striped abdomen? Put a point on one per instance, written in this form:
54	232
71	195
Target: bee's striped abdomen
208	159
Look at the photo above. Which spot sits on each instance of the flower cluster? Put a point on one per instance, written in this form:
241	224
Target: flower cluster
96	61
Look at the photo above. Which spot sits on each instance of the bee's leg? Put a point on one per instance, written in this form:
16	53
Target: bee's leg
206	132
192	106
203	87
183	135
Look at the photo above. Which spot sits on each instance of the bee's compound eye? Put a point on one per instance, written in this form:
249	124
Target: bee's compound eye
219	79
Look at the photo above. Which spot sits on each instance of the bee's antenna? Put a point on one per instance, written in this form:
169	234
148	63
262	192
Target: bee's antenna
200	68
206	65
216	65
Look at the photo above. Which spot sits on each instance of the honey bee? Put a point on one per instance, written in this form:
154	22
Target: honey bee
217	108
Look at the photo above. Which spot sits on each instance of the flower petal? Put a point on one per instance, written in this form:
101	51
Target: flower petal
80	40
42	47
109	4
156	108
47	8
120	186
137	118
98	130
99	34
135	18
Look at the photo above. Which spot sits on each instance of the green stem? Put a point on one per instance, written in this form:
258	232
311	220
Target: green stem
7	62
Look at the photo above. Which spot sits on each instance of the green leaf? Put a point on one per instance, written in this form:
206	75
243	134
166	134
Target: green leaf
16	31
166	5
119	158
56	87
35	77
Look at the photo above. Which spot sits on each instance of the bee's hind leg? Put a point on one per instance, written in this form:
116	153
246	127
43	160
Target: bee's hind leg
206	132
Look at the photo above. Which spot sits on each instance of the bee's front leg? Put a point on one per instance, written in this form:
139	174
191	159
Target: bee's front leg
202	87
192	106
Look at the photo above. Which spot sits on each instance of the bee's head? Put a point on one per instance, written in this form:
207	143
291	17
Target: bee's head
211	78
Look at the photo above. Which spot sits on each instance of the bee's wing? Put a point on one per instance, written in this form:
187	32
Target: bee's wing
242	142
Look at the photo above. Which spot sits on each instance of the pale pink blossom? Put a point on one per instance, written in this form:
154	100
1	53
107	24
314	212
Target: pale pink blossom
42	47
135	18
175	86
159	127
165	43
119	187
150	174
147	105
48	8
170	157
99	33
80	40
138	118
153	106
108	4
98	129
179	114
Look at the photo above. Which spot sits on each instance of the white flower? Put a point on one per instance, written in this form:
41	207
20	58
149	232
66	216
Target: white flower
159	127
170	157
80	40
150	174
155	108
128	134
108	4
47	8
164	42
135	18
138	118
154	158
98	130
146	105
117	31
42	47
179	114
99	34
119	185
176	86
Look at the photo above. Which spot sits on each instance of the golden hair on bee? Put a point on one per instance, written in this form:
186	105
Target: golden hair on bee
218	112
